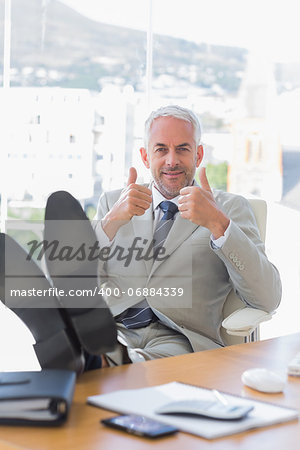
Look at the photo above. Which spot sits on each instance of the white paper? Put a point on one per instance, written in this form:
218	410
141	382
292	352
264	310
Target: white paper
30	409
146	400
23	405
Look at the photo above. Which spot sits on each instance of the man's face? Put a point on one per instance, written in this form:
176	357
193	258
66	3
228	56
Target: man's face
173	155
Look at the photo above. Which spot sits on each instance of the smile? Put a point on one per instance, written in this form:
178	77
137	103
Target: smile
172	174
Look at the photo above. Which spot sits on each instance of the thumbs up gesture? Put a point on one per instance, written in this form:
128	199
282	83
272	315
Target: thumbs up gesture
198	205
134	200
132	177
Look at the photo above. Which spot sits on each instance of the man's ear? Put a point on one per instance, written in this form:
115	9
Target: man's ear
199	155
144	156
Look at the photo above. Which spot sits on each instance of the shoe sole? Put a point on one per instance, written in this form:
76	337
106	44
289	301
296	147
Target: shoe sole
67	224
55	346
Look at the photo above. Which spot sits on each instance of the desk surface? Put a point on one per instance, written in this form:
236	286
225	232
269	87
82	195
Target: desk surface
219	369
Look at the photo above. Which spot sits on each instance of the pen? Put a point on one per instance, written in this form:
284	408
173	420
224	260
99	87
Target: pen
219	397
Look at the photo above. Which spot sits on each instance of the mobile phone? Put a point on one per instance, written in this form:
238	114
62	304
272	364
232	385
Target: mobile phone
140	426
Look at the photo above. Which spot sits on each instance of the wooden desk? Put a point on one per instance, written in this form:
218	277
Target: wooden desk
219	369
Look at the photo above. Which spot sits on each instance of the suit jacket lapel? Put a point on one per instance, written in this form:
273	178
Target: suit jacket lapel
180	232
143	228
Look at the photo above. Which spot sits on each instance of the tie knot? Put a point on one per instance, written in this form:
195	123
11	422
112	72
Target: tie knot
169	209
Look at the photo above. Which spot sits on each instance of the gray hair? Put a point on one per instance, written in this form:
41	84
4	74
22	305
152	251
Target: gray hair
173	111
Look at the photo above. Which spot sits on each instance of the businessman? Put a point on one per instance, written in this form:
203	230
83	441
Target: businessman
203	244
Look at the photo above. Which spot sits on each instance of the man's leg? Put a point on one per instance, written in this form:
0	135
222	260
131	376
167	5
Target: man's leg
152	342
75	274
160	341
56	345
62	326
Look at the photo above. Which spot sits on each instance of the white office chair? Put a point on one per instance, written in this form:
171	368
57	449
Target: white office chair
241	323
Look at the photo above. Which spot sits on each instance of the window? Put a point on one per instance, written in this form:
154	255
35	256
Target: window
84	75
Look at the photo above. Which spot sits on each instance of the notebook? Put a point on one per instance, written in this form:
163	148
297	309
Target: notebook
36	398
147	401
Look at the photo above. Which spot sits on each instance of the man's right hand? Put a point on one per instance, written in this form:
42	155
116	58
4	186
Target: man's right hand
134	201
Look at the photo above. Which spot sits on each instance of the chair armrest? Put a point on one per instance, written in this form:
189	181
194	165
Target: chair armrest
243	321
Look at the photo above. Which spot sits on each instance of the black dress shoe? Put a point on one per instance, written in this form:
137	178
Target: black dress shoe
25	290
70	249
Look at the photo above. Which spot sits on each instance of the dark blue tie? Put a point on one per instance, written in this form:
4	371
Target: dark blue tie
141	315
169	209
165	224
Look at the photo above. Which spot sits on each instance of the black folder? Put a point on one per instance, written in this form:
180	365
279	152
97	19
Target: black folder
36	398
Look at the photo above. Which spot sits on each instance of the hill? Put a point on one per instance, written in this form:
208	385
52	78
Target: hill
54	45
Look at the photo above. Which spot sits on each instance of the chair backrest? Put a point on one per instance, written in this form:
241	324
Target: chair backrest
233	302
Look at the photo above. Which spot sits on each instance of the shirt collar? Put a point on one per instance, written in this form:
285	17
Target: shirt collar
158	197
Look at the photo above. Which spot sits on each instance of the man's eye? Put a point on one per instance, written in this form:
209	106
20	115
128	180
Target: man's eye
183	149
160	149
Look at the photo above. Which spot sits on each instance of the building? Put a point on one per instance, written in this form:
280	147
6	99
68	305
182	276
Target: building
256	165
47	141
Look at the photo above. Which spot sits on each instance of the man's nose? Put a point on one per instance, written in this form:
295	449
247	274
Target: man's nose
172	159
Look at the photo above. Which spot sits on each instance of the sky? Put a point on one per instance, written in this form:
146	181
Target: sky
270	27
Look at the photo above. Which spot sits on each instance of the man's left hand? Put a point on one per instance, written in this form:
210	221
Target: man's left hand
198	205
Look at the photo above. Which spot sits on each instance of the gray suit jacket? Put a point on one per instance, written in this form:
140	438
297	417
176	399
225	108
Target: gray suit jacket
206	275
